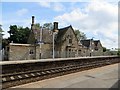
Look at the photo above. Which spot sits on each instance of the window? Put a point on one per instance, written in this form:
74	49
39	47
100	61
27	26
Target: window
31	52
96	48
7	48
70	40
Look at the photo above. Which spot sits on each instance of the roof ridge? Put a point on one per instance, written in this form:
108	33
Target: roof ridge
65	27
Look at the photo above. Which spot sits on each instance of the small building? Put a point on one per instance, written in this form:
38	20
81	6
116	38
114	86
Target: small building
27	51
94	47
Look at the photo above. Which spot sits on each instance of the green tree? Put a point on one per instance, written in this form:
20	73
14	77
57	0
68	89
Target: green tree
104	49
118	53
18	34
48	26
37	26
1	28
5	42
0	37
80	35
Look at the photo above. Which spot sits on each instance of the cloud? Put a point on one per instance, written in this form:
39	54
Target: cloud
45	4
22	11
98	18
56	6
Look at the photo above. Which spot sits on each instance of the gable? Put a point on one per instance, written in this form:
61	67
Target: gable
85	43
66	32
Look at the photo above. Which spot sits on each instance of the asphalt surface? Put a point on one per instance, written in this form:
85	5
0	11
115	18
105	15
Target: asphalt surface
103	77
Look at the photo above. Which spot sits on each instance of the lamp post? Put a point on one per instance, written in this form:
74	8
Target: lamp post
91	50
40	42
54	33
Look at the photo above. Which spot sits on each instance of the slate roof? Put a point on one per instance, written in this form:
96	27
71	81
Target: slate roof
47	34
61	33
96	42
86	43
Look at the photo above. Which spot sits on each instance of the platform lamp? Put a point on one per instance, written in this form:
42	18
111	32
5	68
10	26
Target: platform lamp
91	50
55	31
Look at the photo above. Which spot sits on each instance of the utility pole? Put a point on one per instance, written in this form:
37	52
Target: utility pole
53	45
54	33
40	42
91	46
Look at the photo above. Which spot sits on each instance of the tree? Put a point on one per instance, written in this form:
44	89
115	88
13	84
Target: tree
104	49
1	28
48	26
118	53
0	37
80	35
5	42
37	26
18	34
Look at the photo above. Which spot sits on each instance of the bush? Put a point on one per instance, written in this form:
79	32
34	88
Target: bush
118	53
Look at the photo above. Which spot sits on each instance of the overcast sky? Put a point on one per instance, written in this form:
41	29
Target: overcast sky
96	18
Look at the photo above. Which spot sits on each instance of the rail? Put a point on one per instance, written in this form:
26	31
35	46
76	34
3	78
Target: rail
20	73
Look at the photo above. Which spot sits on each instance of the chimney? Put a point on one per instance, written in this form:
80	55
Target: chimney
55	26
33	20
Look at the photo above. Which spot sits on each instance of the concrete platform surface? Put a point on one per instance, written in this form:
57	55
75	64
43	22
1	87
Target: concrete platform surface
103	77
49	60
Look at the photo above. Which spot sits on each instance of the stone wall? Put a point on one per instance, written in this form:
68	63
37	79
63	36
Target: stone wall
21	52
28	51
46	51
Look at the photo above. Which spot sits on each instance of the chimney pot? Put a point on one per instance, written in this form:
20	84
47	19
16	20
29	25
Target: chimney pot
33	20
55	25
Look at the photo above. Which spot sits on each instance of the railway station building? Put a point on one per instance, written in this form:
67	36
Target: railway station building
40	45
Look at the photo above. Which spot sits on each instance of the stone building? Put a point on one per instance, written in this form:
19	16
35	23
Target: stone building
93	47
66	42
40	44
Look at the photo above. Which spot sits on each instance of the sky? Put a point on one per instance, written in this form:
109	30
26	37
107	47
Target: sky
98	19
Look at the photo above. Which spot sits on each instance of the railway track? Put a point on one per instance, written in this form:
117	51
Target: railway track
9	80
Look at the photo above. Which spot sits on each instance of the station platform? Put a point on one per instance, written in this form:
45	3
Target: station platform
51	60
102	77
